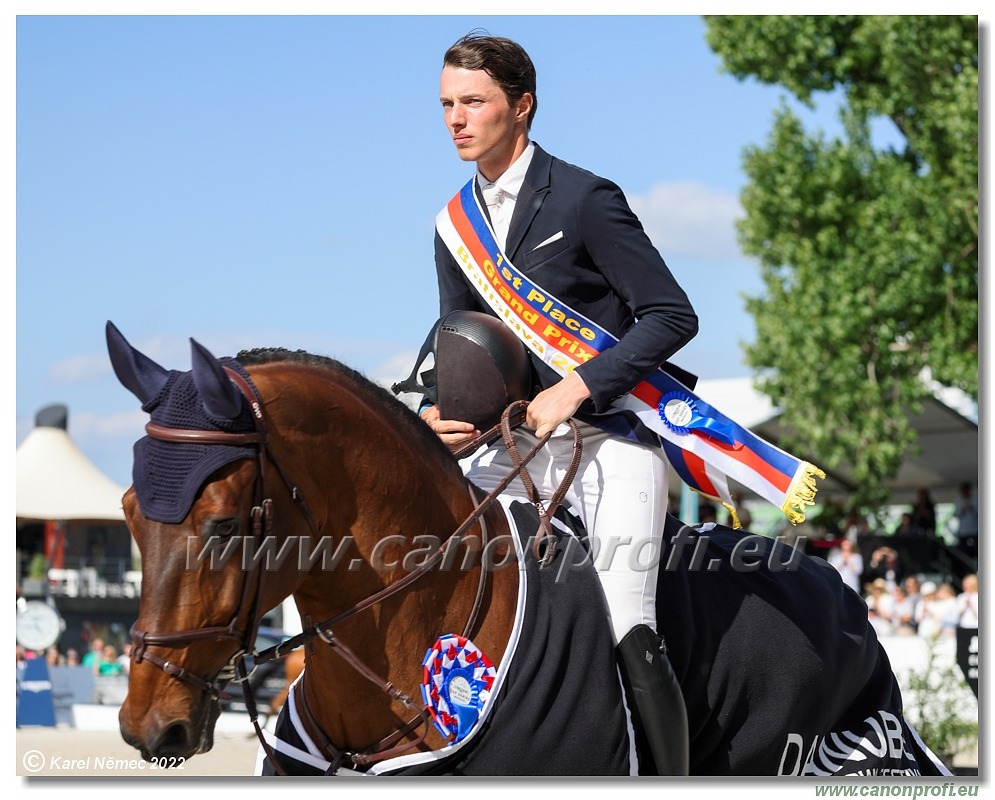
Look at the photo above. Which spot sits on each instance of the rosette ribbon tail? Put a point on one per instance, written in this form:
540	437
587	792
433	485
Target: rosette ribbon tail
707	448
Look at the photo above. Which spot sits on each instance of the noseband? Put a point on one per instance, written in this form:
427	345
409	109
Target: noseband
249	603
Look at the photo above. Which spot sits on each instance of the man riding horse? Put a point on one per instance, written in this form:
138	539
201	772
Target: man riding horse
575	232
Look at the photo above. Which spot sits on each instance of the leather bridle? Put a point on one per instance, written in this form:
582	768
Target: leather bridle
261	517
249	606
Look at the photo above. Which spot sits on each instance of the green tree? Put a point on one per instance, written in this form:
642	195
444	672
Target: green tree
869	257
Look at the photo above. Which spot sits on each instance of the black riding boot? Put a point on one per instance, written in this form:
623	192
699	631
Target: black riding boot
656	703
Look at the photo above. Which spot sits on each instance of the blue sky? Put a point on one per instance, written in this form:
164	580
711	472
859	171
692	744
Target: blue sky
273	180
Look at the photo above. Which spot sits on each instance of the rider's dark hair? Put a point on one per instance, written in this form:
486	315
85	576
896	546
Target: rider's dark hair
504	60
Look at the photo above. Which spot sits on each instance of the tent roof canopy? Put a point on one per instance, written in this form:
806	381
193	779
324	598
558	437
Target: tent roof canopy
55	481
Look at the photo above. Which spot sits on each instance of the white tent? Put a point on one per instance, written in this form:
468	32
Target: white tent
55	481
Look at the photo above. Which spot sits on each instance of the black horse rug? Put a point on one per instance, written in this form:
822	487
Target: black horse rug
780	671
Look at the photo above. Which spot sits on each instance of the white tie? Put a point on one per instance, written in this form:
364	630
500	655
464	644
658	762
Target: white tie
495	197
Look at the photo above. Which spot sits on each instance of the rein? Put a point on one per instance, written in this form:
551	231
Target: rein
543	549
262	525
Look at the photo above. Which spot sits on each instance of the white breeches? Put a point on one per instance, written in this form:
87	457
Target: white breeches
620	493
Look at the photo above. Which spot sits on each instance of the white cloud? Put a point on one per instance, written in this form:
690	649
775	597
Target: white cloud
79	369
86	425
91	367
690	220
395	368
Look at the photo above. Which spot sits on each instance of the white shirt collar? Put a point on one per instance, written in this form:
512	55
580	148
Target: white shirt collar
512	179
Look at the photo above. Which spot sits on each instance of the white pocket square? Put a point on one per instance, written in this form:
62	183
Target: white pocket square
553	238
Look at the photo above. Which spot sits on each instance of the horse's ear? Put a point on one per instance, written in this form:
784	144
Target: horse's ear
139	374
220	396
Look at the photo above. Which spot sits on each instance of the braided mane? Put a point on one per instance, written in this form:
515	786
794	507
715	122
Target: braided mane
375	394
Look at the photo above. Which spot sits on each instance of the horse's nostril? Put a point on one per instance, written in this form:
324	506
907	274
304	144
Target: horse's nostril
175	741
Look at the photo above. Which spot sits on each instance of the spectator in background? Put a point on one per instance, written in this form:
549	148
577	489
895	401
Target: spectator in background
849	526
848	563
905	527
966	522
967	603
948	613
855	527
108	661
927	621
903	613
53	657
124	660
938	611
707	513
880	607
886	564
72	657
914	592
924	514
863	529
93	657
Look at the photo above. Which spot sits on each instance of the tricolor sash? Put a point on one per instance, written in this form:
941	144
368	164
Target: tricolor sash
704	446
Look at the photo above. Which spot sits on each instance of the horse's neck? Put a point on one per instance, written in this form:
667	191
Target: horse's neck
391	638
390	497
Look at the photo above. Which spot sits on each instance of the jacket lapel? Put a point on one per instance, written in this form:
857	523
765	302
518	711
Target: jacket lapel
530	198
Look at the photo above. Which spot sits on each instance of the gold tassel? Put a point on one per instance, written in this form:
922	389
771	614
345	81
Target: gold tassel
736	524
801	493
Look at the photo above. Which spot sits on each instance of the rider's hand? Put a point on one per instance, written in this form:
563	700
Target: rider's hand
452	432
555	405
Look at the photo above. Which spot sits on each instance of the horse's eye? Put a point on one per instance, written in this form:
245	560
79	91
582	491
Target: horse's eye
221	527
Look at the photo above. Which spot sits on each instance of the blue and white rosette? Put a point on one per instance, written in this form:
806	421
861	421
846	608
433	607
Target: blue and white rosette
456	683
680	412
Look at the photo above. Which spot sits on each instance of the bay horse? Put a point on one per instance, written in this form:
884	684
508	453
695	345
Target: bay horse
423	584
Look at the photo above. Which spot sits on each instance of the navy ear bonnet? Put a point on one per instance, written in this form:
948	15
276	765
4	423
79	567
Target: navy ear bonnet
168	475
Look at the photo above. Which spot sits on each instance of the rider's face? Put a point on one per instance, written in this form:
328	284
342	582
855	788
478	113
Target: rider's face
485	126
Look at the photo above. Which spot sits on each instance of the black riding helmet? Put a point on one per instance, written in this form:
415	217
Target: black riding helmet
480	368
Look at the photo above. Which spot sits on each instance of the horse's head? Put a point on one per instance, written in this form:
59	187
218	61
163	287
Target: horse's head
225	536
191	508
